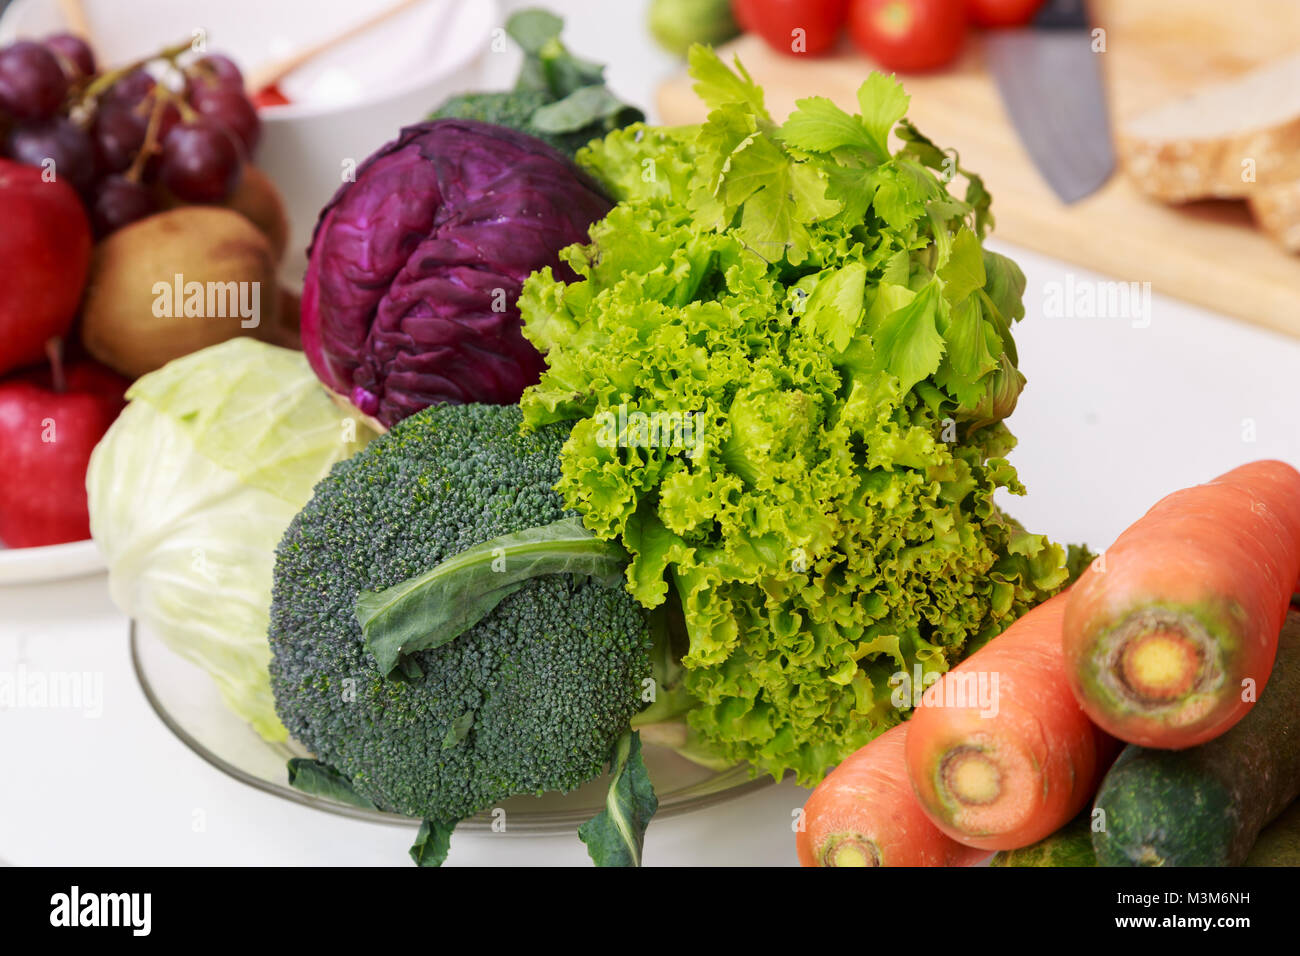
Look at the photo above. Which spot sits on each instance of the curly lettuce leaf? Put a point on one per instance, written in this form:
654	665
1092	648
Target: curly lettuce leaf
847	361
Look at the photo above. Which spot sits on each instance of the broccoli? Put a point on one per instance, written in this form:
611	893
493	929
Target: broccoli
533	697
515	110
558	98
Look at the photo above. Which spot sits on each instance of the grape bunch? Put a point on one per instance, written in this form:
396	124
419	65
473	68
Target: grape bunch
165	130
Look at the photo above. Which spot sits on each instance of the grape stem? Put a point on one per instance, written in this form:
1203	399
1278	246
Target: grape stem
161	97
106	81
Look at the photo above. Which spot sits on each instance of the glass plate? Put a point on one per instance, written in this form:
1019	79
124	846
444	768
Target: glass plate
186	699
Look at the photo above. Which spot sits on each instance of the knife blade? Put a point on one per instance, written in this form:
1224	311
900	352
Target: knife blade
1050	81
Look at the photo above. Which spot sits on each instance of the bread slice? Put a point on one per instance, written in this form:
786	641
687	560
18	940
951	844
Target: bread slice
1277	210
1197	147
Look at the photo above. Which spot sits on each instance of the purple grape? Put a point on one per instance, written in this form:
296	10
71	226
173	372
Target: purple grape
75	52
118	134
59	140
32	84
232	110
201	162
118	202
170	117
130	89
219	71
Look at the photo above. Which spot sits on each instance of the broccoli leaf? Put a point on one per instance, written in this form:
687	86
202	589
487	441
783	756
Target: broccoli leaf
581	108
458	730
438	606
558	97
432	843
548	65
615	836
533	28
566	73
312	776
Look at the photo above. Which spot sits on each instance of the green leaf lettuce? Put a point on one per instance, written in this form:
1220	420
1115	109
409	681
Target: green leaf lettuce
823	309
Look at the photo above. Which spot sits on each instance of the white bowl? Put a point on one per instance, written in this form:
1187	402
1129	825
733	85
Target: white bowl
344	104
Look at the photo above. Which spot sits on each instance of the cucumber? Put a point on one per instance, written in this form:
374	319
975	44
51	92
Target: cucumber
1279	844
1207	805
1069	846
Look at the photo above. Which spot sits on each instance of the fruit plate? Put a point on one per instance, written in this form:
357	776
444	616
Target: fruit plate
187	701
54	562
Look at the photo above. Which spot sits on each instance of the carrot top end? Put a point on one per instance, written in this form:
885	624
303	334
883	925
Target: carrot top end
1163	663
849	849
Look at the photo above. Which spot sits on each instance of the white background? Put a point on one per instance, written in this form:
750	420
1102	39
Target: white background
1113	417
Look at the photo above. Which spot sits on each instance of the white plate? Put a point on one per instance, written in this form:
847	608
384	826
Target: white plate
54	562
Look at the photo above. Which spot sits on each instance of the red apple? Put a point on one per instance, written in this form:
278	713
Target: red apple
45	251
49	424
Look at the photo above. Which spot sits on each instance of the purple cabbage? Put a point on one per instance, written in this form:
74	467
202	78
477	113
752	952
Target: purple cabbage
415	268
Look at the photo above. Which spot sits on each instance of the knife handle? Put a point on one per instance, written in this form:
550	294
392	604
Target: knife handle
1062	15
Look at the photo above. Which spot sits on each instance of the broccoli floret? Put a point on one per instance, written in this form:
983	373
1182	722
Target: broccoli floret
532	698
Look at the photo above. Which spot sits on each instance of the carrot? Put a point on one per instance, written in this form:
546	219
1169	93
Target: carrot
999	752
865	814
1169	642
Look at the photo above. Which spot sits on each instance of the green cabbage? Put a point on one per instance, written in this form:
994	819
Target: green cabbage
821	312
190	492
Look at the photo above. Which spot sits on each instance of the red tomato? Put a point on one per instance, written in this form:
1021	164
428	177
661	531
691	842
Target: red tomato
909	35
743	13
795	27
1001	13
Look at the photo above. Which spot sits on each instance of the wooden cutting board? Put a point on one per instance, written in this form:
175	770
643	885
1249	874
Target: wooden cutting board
1207	253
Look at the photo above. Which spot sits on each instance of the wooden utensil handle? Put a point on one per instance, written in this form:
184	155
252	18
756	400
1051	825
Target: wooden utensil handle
257	80
74	17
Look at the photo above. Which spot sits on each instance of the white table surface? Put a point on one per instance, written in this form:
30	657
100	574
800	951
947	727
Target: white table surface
1113	417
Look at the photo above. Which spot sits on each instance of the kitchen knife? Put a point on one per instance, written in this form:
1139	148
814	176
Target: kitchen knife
1050	80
